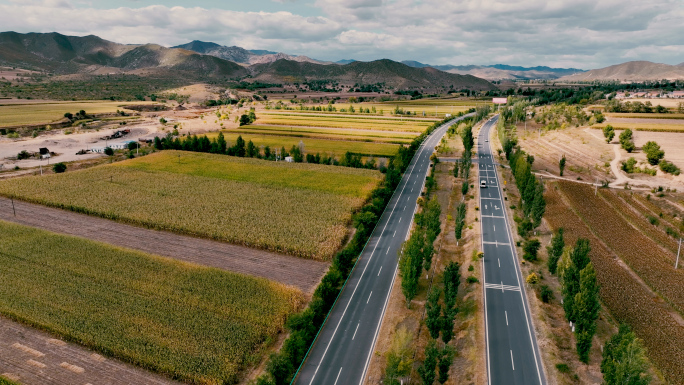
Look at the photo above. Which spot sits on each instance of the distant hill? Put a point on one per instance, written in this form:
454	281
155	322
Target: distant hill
500	71
199	61
385	71
241	55
62	54
631	71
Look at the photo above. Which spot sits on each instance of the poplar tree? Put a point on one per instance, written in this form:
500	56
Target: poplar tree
433	310
587	308
555	250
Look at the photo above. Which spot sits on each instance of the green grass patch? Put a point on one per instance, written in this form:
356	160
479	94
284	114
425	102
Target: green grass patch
193	323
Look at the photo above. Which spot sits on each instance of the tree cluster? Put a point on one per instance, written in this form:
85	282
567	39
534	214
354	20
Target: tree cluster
627	140
417	252
624	360
531	190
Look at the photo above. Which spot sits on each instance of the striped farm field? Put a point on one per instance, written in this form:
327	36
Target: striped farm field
654	127
622	292
328	133
298	209
643	116
313	146
407	125
196	324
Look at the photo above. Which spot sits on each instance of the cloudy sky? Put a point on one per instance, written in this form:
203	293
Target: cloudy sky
561	33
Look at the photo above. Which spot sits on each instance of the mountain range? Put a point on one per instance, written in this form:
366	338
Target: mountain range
91	55
501	71
242	56
631	71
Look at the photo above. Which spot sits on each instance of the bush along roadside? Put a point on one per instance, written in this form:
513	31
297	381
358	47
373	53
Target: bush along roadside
282	367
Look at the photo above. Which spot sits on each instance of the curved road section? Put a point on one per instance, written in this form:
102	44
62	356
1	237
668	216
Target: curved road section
512	350
342	351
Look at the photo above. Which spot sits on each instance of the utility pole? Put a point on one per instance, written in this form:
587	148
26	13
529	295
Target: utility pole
596	187
678	250
13	209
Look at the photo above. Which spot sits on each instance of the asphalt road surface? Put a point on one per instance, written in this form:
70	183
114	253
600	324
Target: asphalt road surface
344	346
512	350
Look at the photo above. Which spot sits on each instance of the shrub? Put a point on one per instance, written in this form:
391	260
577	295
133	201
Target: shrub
563	368
59	168
653	152
653	220
532	279
109	151
471	268
546	294
472	279
669	167
531	247
23	155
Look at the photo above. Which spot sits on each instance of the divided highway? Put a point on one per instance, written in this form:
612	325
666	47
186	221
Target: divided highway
343	349
512	351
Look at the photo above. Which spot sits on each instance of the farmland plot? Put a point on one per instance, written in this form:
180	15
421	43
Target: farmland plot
330	133
314	145
192	323
642	254
298	209
35	113
628	299
345	122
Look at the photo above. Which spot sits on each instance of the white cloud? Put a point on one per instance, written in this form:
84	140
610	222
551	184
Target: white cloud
579	33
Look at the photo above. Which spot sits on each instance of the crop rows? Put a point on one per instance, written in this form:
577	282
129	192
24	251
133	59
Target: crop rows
193	323
299	209
641	253
314	145
622	206
626	298
330	133
334	122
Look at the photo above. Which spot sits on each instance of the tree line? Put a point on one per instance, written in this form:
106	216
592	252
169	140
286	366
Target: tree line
243	149
624	356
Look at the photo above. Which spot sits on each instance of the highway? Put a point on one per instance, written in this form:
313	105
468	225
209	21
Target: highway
512	350
343	349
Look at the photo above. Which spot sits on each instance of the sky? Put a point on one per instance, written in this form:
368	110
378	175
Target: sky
581	34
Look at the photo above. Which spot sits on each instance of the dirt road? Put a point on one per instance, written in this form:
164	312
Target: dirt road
302	273
33	357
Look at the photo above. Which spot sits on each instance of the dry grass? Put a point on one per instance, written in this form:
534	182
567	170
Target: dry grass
36	113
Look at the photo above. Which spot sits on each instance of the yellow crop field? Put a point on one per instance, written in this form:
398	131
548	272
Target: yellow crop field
328	133
645	116
197	324
37	113
313	146
409	125
299	209
654	127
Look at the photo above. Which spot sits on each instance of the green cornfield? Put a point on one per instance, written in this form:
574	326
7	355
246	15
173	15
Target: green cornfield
196	324
298	209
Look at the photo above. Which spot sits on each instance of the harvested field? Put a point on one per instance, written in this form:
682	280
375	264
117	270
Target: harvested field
35	113
621	115
653	127
407	125
292	271
192	323
329	133
622	292
586	154
35	357
653	264
314	145
244	201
